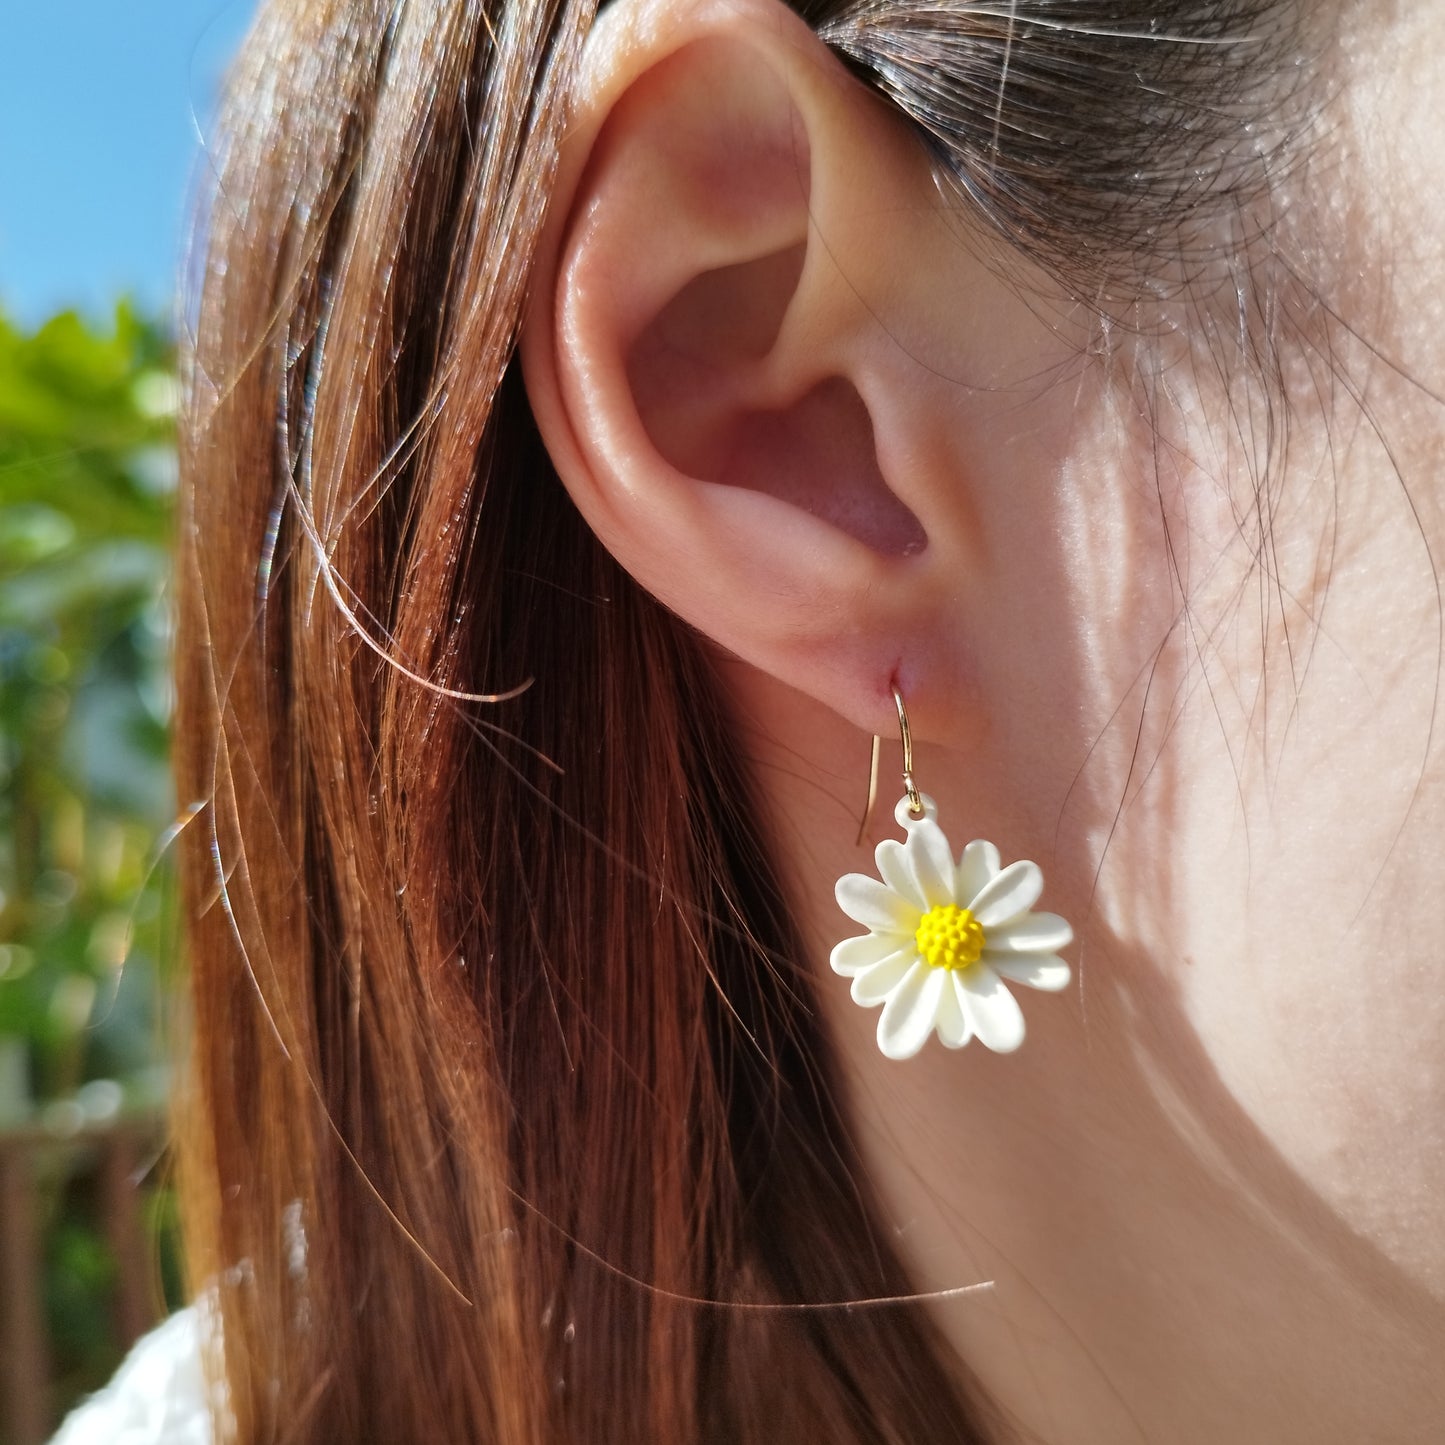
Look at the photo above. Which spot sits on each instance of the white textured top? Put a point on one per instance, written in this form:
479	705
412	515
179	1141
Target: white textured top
158	1396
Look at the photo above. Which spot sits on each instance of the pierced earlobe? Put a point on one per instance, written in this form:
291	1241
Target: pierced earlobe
945	935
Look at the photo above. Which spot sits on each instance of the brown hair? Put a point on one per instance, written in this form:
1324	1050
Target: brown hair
509	1117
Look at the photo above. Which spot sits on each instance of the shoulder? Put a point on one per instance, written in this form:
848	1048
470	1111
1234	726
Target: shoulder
158	1396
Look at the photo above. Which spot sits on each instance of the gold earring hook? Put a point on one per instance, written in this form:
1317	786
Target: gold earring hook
915	800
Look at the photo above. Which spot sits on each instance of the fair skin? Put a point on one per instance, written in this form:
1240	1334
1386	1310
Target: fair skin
1209	1191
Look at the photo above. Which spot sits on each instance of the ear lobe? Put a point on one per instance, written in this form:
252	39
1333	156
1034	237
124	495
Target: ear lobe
728	411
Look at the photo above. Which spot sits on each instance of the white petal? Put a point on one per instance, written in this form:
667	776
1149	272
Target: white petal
1033	933
912	1008
1004	897
992	1010
1048	973
853	955
875	905
980	862
892	859
874	985
952	1023
931	860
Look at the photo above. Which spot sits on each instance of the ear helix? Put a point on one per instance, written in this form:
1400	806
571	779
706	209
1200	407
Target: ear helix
943	935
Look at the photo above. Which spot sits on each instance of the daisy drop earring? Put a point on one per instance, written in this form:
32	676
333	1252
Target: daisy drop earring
944	936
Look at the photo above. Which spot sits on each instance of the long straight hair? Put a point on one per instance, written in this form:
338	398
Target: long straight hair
509	1118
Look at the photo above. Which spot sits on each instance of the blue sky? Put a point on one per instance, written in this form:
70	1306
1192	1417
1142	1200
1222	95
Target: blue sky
100	103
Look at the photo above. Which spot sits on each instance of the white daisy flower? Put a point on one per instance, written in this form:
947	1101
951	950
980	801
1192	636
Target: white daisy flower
943	937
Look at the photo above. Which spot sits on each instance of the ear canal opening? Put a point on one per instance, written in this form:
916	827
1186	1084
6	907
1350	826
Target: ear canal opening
695	374
819	455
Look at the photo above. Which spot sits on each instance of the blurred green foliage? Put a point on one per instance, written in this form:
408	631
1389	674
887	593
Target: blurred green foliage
88	947
87	473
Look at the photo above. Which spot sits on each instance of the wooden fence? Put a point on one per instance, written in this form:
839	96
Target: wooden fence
38	1165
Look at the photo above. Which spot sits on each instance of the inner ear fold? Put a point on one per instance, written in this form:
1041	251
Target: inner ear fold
706	396
818	454
727	316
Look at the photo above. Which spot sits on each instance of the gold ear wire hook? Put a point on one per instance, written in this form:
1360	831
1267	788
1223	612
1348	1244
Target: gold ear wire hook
915	801
872	790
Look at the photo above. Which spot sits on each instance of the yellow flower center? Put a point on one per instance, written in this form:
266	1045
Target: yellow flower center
949	937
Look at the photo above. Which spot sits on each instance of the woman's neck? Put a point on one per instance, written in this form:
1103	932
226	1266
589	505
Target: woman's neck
1176	1249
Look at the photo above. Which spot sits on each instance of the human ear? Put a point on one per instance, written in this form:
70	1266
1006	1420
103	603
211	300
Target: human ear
740	362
